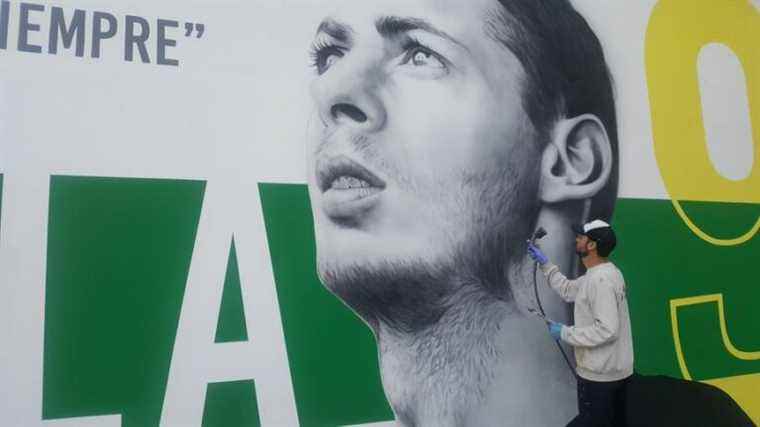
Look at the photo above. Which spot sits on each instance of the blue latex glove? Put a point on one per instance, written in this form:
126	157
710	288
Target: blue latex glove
555	329
536	254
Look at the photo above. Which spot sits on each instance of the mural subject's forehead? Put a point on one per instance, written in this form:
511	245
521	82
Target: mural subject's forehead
458	30
455	16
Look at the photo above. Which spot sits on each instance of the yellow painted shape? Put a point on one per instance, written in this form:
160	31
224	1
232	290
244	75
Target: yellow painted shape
704	299
677	31
744	389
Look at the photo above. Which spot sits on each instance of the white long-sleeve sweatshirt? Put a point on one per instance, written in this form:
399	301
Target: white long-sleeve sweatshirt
601	335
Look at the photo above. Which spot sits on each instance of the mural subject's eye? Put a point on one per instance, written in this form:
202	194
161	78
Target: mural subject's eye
324	55
421	57
423	60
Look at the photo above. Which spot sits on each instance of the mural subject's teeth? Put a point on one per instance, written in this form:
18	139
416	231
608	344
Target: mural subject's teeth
348	182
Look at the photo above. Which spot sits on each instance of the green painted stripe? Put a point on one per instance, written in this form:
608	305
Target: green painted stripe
231	404
332	354
118	257
231	324
662	260
119	252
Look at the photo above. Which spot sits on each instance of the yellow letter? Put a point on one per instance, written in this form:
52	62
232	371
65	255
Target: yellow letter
678	29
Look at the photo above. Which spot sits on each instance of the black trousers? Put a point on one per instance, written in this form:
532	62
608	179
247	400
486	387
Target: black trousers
600	404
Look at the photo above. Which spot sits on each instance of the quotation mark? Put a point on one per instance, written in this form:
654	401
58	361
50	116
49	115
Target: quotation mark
197	28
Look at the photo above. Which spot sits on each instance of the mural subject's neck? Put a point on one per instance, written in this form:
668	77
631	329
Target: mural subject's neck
483	363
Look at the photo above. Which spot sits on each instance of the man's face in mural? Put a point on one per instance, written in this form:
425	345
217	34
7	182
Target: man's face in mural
422	152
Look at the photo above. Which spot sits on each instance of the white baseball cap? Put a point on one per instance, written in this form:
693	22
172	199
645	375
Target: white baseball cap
593	225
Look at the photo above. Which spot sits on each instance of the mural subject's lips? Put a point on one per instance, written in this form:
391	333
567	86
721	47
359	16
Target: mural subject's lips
348	188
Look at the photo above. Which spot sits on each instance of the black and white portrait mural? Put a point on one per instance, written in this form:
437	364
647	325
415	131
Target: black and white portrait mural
447	133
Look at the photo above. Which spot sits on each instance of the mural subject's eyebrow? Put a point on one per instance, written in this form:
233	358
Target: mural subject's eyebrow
390	26
338	30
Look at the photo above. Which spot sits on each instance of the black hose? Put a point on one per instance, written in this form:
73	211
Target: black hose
538	300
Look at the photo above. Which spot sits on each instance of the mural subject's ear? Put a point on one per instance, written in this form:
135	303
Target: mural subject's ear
577	162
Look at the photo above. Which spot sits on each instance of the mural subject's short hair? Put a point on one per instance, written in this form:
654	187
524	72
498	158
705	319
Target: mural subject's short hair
566	73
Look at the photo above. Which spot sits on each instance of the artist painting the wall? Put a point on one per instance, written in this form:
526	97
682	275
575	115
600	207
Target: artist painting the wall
601	335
